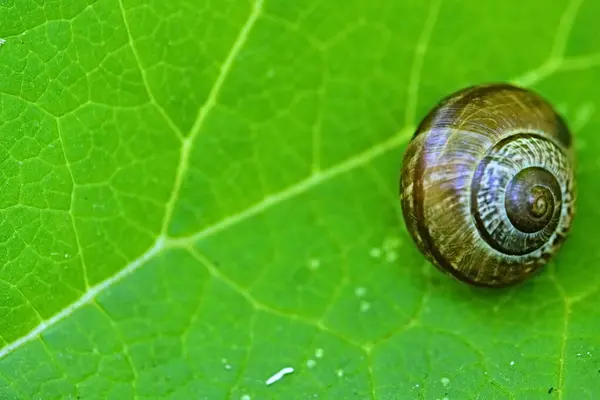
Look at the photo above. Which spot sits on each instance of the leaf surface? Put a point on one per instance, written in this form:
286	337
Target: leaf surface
197	195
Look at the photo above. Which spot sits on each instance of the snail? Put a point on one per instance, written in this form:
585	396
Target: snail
487	184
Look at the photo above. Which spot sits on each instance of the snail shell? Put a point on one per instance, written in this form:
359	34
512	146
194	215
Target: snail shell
487	184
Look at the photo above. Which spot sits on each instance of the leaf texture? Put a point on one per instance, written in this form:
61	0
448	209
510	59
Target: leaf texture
197	195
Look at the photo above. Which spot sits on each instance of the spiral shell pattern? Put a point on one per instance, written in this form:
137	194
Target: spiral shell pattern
487	184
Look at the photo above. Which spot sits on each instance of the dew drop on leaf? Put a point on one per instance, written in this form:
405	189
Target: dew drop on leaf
375	252
314	264
365	306
319	353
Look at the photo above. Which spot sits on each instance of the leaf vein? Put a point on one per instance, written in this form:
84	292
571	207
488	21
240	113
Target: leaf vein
83	300
556	58
258	306
125	351
563	337
295	190
138	61
72	205
203	112
417	65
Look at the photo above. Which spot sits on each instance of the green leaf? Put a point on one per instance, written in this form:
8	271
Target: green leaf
197	195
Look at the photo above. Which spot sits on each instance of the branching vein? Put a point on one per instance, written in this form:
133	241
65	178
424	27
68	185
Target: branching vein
556	58
556	61
564	333
83	300
158	107
417	65
211	101
299	188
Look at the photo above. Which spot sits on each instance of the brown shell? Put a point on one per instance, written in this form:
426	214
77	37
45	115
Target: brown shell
459	193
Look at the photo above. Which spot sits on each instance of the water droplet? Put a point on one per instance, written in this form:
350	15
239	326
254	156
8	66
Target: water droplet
375	252
364	306
319	353
391	243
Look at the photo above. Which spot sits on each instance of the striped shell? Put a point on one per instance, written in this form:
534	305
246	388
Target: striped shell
487	184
